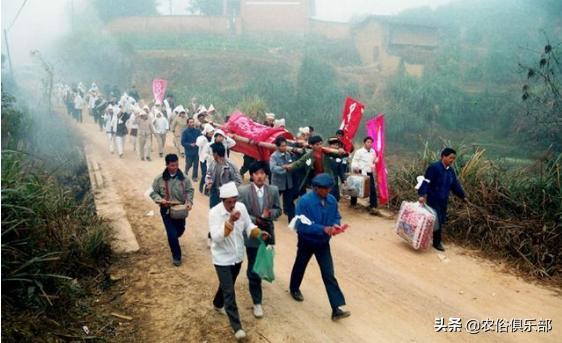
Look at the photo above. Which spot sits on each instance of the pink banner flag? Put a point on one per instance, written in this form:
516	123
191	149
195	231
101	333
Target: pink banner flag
375	129
159	89
351	119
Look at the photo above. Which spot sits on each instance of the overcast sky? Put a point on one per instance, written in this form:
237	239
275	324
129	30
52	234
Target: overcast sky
41	21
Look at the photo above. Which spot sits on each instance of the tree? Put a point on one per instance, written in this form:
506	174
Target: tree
111	9
542	94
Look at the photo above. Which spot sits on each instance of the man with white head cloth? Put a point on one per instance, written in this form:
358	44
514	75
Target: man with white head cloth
177	126
108	122
269	119
161	127
145	125
131	123
229	223
202	143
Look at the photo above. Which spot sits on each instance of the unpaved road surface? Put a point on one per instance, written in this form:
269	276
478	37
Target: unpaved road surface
393	292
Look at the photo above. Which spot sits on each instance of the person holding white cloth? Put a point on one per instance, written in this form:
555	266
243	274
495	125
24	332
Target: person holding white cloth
363	162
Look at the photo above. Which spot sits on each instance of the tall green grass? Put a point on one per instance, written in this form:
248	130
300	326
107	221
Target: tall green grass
55	250
515	212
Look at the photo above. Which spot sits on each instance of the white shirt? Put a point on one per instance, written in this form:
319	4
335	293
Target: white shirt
132	122
229	250
259	191
108	122
78	102
208	153
168	109
92	102
364	160
203	145
161	125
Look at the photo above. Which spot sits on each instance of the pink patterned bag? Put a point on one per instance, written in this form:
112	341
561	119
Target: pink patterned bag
416	223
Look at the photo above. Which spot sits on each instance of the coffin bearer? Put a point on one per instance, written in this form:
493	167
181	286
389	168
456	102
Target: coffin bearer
314	162
262	202
172	190
439	180
318	220
281	177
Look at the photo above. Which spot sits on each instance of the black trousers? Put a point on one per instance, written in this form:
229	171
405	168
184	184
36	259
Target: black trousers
441	210
254	280
288	202
323	256
203	173
192	161
226	295
372	193
248	160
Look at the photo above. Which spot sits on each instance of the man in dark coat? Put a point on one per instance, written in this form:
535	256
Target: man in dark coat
440	179
317	220
188	139
262	203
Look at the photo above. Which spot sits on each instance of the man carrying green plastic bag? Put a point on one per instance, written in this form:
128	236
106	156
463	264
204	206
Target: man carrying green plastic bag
262	201
264	262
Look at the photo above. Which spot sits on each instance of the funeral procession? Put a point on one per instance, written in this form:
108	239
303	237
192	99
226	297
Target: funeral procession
281	171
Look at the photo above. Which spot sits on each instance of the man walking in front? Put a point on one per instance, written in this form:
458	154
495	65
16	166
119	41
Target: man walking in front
318	220
439	180
172	188
229	225
262	202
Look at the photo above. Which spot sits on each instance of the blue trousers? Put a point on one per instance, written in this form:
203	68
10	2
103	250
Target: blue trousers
323	256
174	230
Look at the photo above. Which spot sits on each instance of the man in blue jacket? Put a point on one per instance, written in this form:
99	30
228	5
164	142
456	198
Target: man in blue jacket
440	178
188	138
318	220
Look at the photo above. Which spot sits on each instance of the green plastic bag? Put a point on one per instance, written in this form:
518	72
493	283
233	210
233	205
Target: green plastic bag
264	262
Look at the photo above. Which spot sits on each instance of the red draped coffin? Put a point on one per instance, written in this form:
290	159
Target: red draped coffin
240	125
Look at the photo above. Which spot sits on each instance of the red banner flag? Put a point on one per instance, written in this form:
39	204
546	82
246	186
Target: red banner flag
243	126
159	89
351	119
375	129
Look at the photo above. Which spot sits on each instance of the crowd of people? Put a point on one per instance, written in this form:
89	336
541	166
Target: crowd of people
302	179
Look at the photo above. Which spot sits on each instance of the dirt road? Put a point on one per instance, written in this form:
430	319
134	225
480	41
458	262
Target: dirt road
394	293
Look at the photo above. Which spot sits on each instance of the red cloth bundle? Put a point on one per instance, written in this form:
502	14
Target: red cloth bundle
243	126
